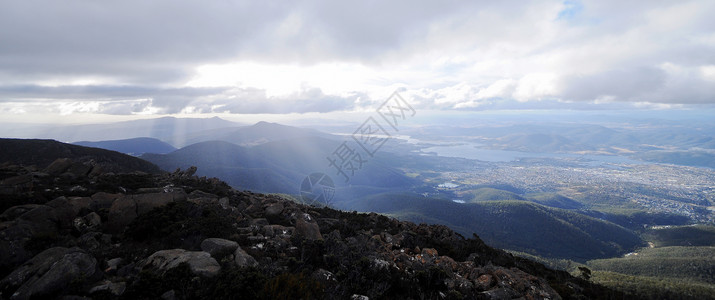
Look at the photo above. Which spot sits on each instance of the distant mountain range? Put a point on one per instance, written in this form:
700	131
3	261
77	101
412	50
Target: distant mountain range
168	129
259	133
134	147
277	166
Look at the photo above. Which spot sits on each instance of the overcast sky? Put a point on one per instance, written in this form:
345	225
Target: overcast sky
81	58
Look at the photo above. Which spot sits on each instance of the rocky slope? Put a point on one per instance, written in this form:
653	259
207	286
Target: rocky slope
179	236
43	152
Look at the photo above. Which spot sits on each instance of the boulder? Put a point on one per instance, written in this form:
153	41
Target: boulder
58	166
80	204
122	212
42	219
50	272
484	282
224	202
97	170
274	210
244	259
147	202
114	288
16	184
201	194
218	248
13	237
13	212
201	263
103	200
79	169
92	241
113	265
90	222
307	228
64	211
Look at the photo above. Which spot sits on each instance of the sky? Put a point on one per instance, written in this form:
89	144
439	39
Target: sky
83	60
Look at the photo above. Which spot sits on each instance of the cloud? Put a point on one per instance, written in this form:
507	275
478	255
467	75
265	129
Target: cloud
143	100
319	56
256	101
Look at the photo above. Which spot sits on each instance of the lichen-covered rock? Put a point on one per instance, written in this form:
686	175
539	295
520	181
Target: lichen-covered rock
200	262
244	259
218	248
306	227
50	272
114	288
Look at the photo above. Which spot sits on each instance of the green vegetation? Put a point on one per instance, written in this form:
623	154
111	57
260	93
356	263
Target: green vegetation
638	219
554	200
492	194
655	273
692	263
694	235
654	287
515	225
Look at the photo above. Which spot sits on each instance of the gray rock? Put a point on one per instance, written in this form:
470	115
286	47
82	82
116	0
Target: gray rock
274	210
115	288
260	222
80	204
306	227
147	202
501	293
267	231
282	231
89	222
201	263
80	169
324	276
169	295
244	259
97	170
93	220
122	212
201	194
113	265
58	166
103	200
13	212
218	248
64	211
50	272
224	202
42	220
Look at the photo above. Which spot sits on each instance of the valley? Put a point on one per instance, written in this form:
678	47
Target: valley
571	202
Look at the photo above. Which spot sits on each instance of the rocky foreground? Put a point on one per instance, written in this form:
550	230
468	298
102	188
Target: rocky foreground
72	231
